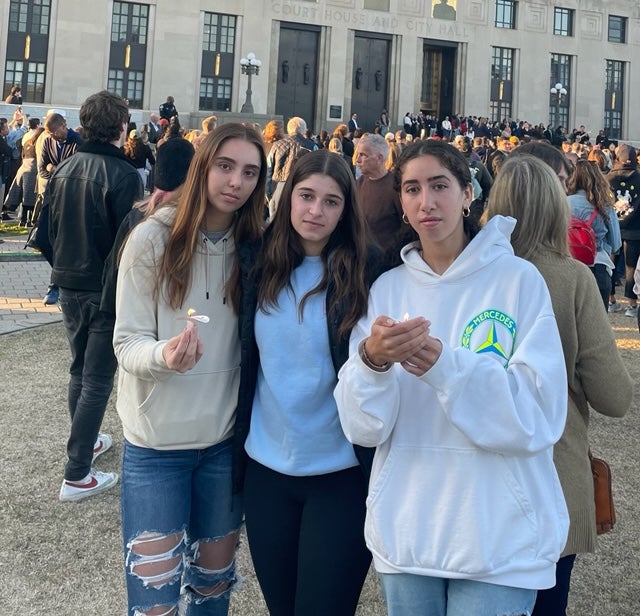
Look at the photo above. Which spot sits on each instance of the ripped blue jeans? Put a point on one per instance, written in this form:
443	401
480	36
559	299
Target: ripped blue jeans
180	525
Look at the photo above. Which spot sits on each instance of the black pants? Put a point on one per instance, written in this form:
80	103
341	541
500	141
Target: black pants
631	250
93	365
603	280
306	536
553	601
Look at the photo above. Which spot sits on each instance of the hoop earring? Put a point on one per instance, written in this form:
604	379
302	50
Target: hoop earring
405	220
466	211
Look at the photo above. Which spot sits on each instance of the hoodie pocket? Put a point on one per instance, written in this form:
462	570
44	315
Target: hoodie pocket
454	511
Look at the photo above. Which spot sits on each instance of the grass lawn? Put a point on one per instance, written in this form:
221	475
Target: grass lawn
12	229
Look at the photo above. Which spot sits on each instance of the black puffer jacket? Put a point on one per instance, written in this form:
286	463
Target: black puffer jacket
89	195
623	180
250	358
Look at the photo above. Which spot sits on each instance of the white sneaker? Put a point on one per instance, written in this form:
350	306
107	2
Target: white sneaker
615	307
632	311
103	443
94	483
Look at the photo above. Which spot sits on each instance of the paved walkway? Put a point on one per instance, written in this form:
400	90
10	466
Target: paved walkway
24	277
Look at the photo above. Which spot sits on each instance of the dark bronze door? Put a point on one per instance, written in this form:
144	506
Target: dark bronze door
370	79
438	78
297	73
27	45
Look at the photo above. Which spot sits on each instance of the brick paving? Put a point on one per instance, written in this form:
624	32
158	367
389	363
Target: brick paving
24	277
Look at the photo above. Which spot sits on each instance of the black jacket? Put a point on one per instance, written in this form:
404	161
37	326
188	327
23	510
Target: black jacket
250	358
89	195
622	180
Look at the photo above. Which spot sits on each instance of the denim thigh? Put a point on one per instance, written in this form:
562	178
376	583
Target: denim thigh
187	492
416	595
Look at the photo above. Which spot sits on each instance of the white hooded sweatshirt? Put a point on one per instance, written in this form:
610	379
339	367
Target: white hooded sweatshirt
463	482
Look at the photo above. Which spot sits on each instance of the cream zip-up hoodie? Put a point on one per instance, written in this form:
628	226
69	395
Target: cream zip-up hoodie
161	408
463	483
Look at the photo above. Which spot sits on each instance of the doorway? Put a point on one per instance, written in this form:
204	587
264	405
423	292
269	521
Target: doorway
370	79
438	79
297	72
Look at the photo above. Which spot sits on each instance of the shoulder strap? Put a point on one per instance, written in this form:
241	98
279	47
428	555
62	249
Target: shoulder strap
593	216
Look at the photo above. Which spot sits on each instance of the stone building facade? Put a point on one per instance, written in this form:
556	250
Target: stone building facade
325	59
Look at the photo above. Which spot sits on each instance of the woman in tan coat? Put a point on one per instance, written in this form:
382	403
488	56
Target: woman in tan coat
528	190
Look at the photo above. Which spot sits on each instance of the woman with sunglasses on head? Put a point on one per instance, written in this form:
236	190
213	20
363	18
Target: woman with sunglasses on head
529	190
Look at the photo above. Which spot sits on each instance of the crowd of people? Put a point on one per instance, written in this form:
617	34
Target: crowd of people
367	347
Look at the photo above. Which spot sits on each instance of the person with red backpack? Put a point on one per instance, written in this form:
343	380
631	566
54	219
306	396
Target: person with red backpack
591	201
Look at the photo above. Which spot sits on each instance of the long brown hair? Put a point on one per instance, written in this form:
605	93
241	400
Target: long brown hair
175	267
588	177
344	256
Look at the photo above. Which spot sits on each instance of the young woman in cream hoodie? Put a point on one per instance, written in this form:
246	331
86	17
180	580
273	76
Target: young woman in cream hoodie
456	376
177	344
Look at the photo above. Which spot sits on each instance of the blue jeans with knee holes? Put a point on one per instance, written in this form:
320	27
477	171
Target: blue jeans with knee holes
185	493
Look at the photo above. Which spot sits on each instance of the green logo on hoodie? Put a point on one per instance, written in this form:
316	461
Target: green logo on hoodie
490	331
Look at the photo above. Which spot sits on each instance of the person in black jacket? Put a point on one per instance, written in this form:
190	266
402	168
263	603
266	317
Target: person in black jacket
305	286
624	180
168	109
89	195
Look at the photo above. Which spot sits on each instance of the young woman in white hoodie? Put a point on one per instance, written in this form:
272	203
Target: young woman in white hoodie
456	376
177	343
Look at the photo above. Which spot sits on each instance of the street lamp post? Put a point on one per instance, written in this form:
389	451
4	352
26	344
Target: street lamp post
250	66
558	91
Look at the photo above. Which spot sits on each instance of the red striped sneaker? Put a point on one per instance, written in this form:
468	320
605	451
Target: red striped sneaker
94	483
103	443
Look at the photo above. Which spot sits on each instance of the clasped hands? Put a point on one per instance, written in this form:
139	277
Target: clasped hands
407	342
183	352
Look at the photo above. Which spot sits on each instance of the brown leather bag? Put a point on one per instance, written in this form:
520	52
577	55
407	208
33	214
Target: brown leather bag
605	511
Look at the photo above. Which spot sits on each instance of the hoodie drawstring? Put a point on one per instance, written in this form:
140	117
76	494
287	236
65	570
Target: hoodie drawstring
224	268
206	267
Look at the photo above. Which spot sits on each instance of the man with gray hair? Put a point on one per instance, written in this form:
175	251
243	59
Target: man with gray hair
377	198
281	158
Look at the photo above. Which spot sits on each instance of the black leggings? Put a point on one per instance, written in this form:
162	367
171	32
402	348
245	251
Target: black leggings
631	254
603	280
553	601
306	536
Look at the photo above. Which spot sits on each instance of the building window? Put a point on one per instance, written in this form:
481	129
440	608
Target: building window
215	94
563	21
130	23
501	83
26	48
617	29
506	14
128	84
30	16
614	98
218	52
128	54
219	33
559	102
